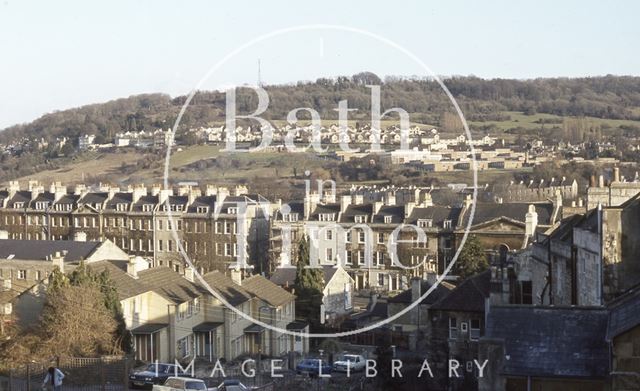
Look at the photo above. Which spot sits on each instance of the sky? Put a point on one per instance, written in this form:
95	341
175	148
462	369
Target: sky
60	54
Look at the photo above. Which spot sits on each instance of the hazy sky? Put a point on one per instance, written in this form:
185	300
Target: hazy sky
62	54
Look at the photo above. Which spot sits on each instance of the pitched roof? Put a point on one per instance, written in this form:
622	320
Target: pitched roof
287	275
170	285
267	290
551	341
469	296
125	284
438	214
232	292
438	293
624	313
39	250
486	211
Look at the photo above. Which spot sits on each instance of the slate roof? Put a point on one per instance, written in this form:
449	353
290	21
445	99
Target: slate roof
513	210
119	198
287	275
624	313
396	213
267	290
469	296
209	201
356	210
438	214
170	285
39	250
95	198
324	208
232	292
68	199
126	285
20	196
145	200
438	293
551	341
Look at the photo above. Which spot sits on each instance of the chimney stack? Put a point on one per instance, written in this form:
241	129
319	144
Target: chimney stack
58	261
408	208
236	275
80	236
139	191
155	189
189	273
345	201
616	174
531	221
601	181
377	206
132	270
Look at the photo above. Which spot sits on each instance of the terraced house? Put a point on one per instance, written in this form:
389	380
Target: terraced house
154	223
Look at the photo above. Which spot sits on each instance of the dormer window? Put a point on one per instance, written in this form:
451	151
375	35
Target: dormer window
41	205
121	207
202	209
18	205
446	224
96	206
291	217
425	223
387	219
232	210
147	207
178	208
325	217
360	219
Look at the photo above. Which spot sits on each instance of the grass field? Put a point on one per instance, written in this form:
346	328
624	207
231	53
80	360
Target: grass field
519	119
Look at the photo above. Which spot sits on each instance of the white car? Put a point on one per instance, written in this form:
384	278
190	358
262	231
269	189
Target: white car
350	362
181	384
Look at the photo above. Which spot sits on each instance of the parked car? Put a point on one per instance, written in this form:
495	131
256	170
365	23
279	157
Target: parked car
231	385
153	374
313	367
352	362
181	383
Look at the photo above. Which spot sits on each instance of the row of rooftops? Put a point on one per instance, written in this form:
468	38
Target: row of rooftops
177	288
138	198
413	206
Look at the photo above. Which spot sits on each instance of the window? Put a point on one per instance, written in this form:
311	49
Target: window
202	209
387	219
329	234
379	258
527	295
361	257
381	236
147	207
326	217
347	236
361	236
464	327
349	259
446	224
360	219
329	254
233	210
381	278
453	328
425	223
475	329
22	274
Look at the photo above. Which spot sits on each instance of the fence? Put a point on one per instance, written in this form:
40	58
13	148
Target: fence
81	374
